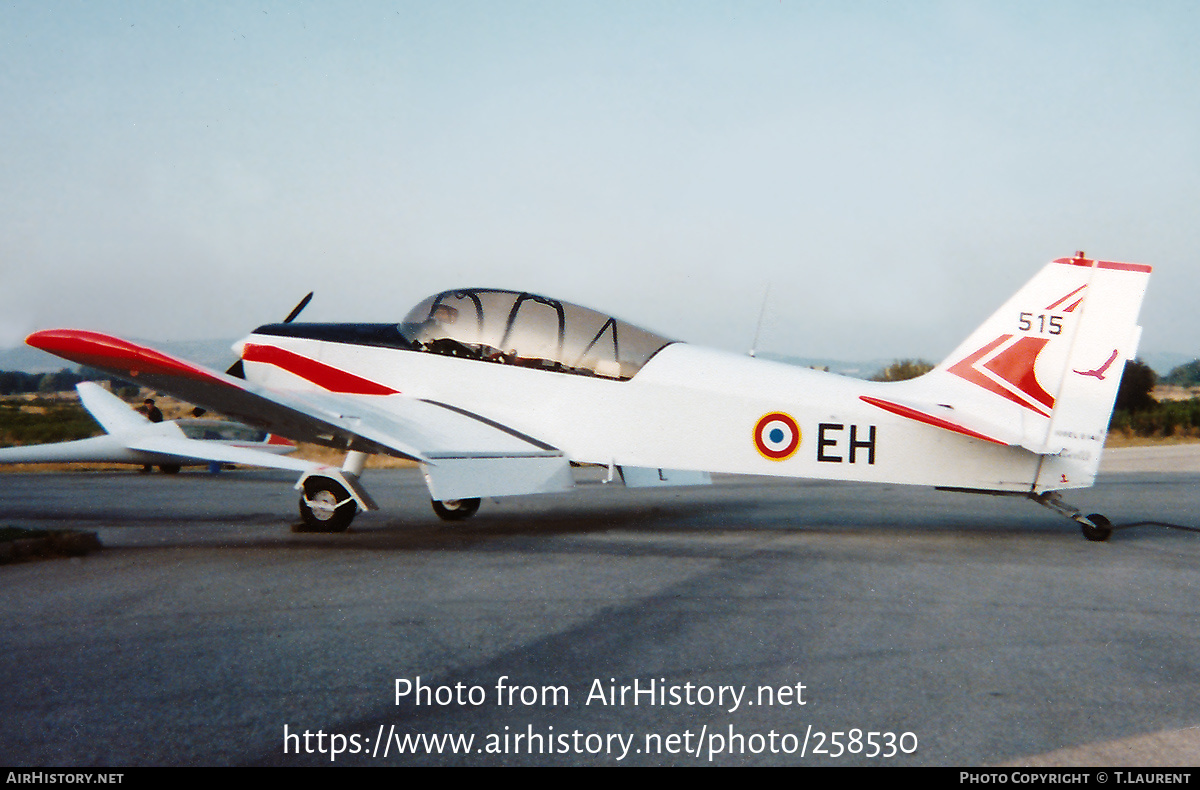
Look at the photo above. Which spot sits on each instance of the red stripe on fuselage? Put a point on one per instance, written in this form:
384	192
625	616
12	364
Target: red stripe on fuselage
326	376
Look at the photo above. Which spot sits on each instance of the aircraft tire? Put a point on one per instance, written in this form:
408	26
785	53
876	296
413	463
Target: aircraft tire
455	509
1100	528
169	469
324	514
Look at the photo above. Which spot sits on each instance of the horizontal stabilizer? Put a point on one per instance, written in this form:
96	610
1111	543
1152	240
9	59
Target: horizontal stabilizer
948	418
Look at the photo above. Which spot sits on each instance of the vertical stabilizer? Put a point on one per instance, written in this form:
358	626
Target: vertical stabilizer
1047	365
113	414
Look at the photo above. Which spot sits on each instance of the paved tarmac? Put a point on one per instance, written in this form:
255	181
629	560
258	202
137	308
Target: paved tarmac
979	630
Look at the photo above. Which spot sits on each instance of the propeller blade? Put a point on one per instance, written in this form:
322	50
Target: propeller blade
237	370
296	310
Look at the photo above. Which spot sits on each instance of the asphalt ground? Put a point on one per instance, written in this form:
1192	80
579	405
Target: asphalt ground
945	628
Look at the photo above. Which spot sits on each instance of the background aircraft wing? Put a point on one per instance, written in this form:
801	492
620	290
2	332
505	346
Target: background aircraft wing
110	449
200	450
465	454
104	449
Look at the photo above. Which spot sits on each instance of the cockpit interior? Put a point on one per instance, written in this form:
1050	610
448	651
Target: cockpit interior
524	329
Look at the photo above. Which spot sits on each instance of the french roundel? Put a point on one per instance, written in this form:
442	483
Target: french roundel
777	436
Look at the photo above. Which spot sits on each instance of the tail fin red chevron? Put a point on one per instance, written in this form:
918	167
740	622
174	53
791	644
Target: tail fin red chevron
1047	364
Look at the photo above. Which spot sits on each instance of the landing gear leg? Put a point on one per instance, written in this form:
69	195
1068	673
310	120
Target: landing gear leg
354	463
1095	526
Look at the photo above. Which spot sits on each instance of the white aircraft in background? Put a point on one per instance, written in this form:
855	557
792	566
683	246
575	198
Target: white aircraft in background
496	393
131	438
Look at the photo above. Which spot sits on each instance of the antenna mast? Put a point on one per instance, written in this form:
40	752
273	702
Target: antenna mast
761	312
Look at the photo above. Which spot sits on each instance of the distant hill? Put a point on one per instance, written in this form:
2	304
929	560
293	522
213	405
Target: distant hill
1164	362
858	370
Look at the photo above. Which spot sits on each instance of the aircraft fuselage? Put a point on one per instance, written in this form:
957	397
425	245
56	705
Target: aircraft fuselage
688	408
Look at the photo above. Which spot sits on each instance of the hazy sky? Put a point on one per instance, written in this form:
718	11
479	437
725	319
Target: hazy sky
894	170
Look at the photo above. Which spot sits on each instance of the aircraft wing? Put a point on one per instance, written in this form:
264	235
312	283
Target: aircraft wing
111	449
207	450
464	454
98	449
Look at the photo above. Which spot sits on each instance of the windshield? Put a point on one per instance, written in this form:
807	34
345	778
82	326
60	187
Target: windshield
514	328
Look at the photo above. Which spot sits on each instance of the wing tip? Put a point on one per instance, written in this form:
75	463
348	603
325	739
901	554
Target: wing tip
111	353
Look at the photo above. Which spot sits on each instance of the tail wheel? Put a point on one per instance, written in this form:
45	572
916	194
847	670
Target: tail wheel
455	509
169	469
326	506
1099	529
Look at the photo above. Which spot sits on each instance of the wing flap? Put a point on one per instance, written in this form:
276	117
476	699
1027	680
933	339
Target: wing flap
467	477
642	477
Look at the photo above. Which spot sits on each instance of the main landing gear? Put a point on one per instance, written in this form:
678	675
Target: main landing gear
331	498
1095	526
326	505
455	509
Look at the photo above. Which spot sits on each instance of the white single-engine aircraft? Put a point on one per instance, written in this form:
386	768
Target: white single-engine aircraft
130	438
496	393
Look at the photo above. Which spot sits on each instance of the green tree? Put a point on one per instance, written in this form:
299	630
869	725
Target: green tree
903	369
1137	383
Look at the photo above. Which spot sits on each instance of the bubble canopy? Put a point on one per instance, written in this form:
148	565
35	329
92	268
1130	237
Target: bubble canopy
221	430
516	328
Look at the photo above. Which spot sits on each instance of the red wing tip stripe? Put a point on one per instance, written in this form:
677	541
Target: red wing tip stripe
928	419
1118	265
112	353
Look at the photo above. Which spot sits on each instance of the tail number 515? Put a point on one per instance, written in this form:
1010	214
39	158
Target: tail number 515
1045	324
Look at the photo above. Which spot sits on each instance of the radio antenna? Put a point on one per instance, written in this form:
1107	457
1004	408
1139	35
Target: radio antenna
761	312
